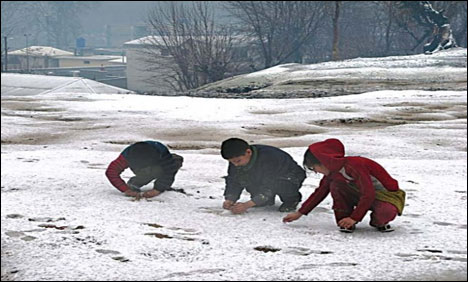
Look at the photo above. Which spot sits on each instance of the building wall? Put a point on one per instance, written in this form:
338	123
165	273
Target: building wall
65	63
144	77
19	62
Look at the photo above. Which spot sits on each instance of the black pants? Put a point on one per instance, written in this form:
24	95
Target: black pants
288	188
146	175
288	191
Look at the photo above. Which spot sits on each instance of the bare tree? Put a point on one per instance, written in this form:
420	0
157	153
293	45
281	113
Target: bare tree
12	20
385	20
197	51
59	19
382	28
281	28
336	16
456	12
435	23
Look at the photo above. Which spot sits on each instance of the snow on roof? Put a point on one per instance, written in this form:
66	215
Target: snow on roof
159	40
147	40
31	84
41	51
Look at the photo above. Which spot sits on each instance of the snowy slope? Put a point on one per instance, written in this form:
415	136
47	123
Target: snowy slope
444	70
62	220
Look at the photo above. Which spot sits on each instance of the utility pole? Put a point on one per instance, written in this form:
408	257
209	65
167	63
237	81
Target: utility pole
5	67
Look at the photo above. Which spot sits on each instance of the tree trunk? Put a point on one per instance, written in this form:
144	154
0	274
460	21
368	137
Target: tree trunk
335	50
388	29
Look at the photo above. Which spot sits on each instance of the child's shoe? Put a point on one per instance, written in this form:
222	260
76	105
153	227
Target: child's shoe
288	207
385	228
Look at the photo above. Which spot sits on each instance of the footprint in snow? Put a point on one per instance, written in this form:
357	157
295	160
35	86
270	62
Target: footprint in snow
300	251
104	251
17	234
181	233
14	216
121	259
332	264
216	211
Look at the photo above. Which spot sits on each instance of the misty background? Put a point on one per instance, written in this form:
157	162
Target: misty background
101	23
111	23
194	43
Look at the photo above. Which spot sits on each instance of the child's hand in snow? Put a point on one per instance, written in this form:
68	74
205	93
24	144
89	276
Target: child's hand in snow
227	204
151	193
131	193
292	217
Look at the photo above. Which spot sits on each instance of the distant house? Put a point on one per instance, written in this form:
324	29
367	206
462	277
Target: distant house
89	61
35	57
42	57
146	77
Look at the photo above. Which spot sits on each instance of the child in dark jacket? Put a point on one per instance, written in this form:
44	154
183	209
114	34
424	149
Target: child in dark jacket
264	171
356	184
148	160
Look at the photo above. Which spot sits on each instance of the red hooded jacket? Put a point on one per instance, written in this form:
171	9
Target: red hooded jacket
366	174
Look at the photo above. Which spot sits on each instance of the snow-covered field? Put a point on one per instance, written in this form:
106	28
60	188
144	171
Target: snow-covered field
62	220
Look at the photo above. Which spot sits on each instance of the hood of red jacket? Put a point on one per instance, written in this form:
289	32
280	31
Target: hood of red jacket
330	153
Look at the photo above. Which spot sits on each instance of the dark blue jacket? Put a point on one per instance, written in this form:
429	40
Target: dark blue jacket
259	177
162	158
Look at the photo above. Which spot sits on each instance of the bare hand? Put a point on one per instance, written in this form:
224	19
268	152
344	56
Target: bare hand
228	204
131	193
151	193
239	208
292	217
347	222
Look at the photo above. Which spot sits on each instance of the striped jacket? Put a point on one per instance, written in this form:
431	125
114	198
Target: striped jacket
165	161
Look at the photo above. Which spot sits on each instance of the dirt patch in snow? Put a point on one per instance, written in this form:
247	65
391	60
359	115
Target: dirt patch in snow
360	122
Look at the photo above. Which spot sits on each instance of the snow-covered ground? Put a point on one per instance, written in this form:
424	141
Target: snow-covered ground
62	220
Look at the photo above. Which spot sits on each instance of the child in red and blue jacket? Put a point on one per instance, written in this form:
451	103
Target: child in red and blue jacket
148	160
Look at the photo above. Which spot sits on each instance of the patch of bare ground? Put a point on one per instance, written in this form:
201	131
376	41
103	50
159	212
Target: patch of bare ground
35	139
192	146
121	142
361	122
282	130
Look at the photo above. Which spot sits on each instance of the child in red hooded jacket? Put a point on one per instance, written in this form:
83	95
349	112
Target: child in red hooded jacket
357	184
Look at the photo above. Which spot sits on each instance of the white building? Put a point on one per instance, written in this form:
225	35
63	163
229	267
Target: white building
90	61
35	57
142	76
43	57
